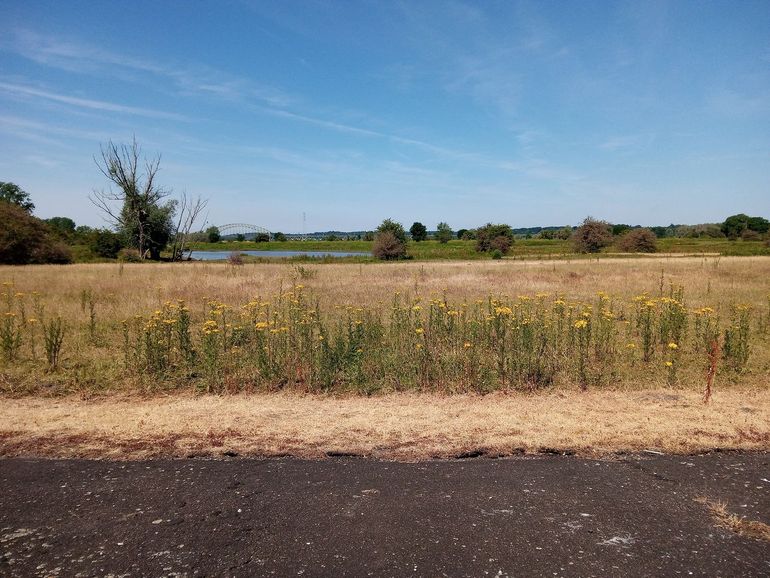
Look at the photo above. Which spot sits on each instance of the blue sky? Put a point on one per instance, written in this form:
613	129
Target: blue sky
529	113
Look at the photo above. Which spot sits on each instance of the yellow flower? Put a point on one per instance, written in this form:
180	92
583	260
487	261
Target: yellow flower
631	346
673	345
581	323
467	345
669	363
503	311
419	331
418	347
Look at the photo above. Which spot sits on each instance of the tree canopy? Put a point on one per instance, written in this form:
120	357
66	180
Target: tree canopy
13	193
418	231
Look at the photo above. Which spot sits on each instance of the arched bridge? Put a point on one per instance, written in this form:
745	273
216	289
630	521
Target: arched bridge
248	231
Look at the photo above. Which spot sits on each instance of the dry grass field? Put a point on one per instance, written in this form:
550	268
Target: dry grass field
585	355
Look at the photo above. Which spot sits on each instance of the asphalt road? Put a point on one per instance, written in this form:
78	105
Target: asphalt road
524	516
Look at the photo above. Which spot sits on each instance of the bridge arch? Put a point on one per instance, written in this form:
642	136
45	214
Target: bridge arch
245	229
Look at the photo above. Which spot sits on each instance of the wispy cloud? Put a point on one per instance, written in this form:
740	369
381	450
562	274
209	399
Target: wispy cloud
101	105
79	57
628	141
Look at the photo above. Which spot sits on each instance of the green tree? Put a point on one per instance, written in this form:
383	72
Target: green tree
280	237
500	234
419	231
63	226
240	237
213	235
142	218
591	236
443	232
158	223
106	243
396	228
735	225
12	193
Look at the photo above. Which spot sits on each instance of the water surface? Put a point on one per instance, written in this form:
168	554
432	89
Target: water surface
222	255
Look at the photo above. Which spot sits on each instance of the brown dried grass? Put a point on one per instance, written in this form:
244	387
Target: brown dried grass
398	426
123	290
740	525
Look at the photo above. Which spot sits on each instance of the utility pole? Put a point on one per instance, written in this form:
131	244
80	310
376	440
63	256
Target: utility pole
304	232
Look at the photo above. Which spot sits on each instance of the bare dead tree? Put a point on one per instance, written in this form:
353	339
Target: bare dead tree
137	192
189	211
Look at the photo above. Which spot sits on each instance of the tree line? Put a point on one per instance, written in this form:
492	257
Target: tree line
146	220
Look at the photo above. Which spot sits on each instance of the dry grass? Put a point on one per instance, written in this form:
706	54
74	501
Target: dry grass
741	526
398	426
93	362
126	290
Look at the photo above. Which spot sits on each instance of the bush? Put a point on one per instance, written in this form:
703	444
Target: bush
591	236
235	259
749	235
106	244
388	247
497	254
638	241
501	243
279	237
57	253
489	238
129	256
25	239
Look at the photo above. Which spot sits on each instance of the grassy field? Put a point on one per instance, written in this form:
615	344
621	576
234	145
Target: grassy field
402	360
522	248
379	328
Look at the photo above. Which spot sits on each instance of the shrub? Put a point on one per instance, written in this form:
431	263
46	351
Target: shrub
129	256
749	235
488	238
501	243
638	241
591	236
235	258
388	247
279	237
497	254
106	244
25	239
